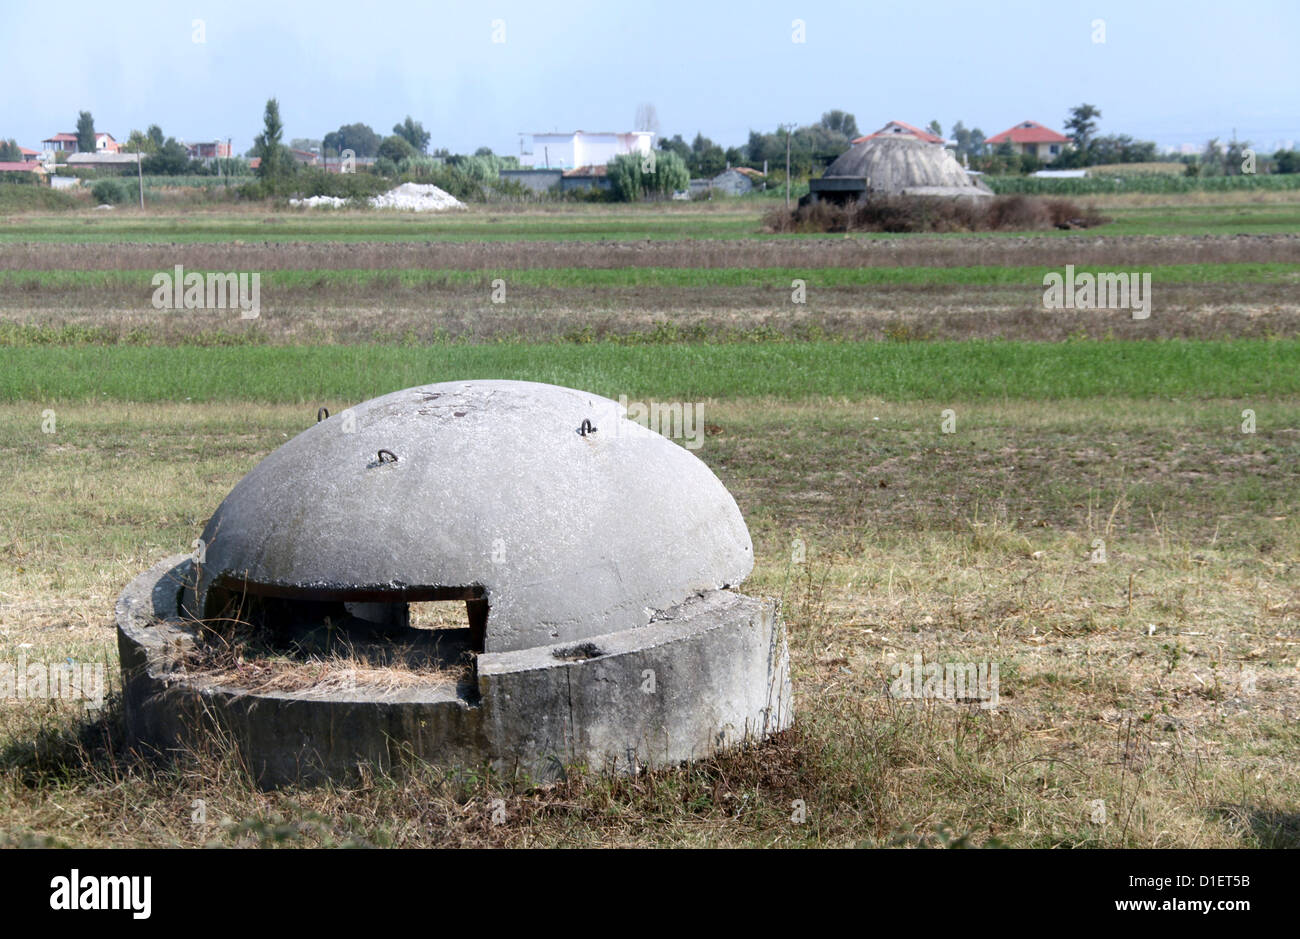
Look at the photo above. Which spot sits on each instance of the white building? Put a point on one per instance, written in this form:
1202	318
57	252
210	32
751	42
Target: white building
580	148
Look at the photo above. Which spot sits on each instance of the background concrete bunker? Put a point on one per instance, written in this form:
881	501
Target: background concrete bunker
595	558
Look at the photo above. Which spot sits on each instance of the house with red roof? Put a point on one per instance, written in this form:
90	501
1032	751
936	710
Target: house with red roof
1033	138
35	169
104	143
65	142
902	128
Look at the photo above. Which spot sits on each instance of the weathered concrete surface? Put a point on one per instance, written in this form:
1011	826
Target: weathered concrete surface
708	674
571	536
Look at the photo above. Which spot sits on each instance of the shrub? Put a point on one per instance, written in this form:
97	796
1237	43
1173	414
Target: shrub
902	214
18	198
109	191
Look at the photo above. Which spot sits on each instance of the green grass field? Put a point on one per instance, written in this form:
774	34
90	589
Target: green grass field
937	371
773	277
1162	680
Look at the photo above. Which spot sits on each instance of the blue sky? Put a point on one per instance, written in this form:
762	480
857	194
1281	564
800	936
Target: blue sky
1172	72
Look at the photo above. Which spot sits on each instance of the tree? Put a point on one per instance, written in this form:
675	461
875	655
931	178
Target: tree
140	143
1082	125
171	159
1212	158
1118	148
647	118
632	176
397	149
274	156
935	128
677	145
155	135
707	158
10	152
413	132
1235	156
1287	161
841	122
359	138
305	143
85	132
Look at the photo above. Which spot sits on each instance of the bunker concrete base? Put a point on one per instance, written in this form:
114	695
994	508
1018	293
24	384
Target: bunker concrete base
705	676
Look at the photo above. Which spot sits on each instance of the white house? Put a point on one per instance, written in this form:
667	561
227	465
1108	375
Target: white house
580	148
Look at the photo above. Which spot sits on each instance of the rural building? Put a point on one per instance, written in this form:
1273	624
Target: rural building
905	129
65	142
538	180
208	150
580	148
736	181
594	176
26	166
894	165
304	157
1032	138
30	156
104	143
101	159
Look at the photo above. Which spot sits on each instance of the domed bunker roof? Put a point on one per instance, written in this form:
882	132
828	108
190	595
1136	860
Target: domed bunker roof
566	517
902	165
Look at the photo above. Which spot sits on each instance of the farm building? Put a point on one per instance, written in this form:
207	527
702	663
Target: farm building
26	166
102	159
579	148
1032	138
736	181
208	150
586	177
536	180
894	165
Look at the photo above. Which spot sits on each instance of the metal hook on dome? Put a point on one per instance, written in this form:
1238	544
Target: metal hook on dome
390	453
322	414
587	428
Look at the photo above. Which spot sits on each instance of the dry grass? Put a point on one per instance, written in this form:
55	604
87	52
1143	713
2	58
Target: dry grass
1165	681
1092	249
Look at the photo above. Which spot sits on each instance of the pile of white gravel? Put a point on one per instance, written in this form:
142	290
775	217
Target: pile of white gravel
414	197
318	202
417	197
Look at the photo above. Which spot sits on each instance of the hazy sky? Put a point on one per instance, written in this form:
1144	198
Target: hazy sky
1172	72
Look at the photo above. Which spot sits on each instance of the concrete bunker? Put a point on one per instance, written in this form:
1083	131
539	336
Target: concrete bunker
596	563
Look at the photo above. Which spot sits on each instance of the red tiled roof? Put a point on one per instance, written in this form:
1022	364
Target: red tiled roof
597	169
27	152
1028	132
914	131
19	167
61	138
